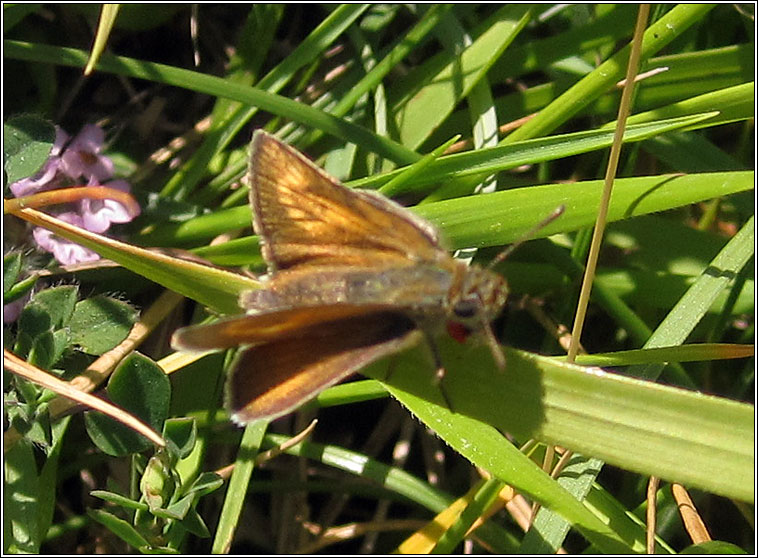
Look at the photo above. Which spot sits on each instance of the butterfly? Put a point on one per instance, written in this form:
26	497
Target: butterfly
352	277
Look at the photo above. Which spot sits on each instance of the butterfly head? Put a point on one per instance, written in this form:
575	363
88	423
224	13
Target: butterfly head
475	299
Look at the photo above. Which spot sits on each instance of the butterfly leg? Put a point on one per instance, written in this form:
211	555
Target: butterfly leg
497	353
440	372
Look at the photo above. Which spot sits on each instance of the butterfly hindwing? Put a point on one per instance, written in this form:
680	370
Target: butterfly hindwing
273	378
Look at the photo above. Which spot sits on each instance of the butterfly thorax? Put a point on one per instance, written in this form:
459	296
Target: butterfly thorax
431	294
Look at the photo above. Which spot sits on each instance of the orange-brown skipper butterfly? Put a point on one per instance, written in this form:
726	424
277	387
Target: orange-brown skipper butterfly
353	277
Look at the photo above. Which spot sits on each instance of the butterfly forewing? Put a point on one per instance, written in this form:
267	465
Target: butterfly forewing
306	218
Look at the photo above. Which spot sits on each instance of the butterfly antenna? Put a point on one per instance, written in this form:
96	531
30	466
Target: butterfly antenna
557	212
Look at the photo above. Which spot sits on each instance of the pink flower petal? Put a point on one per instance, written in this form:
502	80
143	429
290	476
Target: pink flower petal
61	138
40	182
81	158
12	310
65	251
98	215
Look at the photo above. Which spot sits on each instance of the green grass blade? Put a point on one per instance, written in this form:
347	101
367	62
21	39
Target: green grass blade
211	286
699	298
223	132
500	217
217	87
454	81
637	425
233	502
681	353
657	36
494	159
733	103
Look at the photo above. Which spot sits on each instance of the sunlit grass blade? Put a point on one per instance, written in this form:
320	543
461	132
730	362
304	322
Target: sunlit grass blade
108	15
681	353
657	36
495	159
481	220
212	286
445	88
243	468
212	85
634	424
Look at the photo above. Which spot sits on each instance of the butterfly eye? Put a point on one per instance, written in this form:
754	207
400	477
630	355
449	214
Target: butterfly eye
465	309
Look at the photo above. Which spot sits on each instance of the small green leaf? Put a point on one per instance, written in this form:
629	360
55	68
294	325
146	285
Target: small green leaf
27	143
180	434
205	484
177	510
195	524
100	323
33	321
33	421
29	393
119	500
60	343
139	386
113	438
42	352
119	527
20	289
49	310
21	499
59	303
47	348
11	270
713	548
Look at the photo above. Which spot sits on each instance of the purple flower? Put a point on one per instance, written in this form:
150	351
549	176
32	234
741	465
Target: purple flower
97	215
81	158
65	251
69	164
